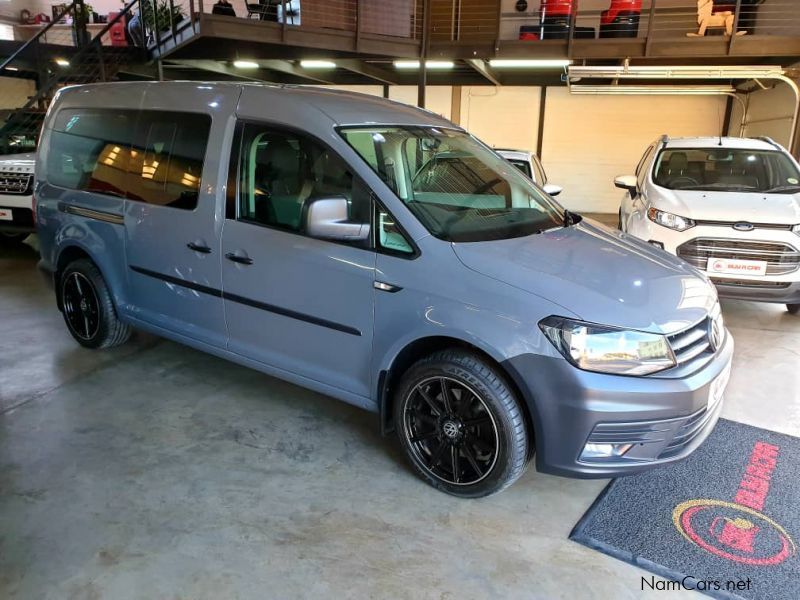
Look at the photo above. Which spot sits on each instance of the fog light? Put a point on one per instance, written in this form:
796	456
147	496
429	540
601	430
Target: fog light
594	451
656	244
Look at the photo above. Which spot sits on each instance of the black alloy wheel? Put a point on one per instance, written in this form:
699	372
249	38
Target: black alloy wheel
81	307
88	307
450	431
461	425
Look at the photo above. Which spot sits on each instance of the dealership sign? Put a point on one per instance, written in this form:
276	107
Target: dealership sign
739	531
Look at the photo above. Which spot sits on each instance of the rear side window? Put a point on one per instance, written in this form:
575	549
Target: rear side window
149	156
89	150
166	160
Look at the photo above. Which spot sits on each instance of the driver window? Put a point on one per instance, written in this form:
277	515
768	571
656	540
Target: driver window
280	172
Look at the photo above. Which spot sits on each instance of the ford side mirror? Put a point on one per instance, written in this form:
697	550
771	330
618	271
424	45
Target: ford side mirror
327	219
551	189
628	183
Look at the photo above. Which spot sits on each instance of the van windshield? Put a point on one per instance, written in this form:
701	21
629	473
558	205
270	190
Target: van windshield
459	189
727	170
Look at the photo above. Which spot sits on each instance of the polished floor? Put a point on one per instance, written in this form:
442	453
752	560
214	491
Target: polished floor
157	472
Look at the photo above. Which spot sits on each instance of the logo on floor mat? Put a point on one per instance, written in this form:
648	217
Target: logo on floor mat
738	530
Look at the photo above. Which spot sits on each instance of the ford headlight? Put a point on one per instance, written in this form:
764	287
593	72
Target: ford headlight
608	349
669	220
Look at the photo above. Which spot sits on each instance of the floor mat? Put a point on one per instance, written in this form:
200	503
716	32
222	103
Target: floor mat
724	522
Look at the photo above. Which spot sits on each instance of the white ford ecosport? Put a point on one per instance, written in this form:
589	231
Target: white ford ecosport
728	206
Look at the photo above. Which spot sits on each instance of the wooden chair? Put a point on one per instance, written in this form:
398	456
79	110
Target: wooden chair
706	17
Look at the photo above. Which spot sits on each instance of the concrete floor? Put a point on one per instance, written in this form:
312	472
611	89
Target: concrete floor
155	471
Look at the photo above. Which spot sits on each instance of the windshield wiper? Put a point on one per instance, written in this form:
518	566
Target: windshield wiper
783	188
724	187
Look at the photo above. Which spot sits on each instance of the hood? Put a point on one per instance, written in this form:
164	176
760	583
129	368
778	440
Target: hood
775	209
20	163
599	274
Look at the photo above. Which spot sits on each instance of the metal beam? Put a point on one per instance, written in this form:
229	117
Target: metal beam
481	67
367	70
284	66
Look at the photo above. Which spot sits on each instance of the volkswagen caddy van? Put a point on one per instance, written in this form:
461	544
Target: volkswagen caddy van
319	237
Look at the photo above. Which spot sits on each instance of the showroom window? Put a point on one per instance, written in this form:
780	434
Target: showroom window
280	171
166	161
89	150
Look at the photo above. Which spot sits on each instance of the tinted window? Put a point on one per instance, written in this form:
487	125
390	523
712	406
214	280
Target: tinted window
279	172
89	150
166	161
726	169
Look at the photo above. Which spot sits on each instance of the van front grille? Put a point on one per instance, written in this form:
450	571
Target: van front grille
781	258
15	183
752	283
692	342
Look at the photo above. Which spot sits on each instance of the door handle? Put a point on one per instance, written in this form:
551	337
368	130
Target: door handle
198	248
242	260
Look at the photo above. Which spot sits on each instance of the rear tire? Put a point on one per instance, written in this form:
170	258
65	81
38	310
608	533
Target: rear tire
793	309
88	308
460	425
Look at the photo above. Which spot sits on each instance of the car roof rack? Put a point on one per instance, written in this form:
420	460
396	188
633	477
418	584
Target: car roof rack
664	139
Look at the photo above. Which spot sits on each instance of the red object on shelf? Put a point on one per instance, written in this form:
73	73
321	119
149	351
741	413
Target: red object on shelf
529	37
617	6
116	32
556	8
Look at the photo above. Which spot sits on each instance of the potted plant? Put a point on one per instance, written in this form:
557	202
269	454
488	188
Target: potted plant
162	14
82	14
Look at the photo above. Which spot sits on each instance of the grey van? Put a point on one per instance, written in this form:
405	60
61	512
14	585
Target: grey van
379	254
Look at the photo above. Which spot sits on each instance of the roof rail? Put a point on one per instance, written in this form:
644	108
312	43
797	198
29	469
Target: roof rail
768	140
664	139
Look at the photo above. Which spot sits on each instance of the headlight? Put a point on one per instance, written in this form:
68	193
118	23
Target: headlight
608	349
669	220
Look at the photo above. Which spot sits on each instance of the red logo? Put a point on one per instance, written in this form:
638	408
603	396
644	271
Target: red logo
739	531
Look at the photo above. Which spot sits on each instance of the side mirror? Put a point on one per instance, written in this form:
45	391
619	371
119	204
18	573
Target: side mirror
327	219
628	183
553	190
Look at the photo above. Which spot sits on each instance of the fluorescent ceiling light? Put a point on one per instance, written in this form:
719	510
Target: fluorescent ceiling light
317	64
62	62
245	64
676	72
429	64
503	63
651	90
11	69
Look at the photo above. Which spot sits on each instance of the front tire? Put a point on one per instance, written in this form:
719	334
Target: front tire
460	424
793	309
88	308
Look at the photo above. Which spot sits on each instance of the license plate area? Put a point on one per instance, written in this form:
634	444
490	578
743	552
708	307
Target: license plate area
727	266
6	214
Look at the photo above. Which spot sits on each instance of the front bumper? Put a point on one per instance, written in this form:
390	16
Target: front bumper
21	218
666	418
783	289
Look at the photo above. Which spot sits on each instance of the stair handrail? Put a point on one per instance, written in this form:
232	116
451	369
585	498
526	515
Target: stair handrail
41	32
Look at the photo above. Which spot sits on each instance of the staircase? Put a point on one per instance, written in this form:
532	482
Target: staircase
60	55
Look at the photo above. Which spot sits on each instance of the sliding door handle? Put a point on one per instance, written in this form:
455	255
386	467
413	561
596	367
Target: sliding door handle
198	248
237	258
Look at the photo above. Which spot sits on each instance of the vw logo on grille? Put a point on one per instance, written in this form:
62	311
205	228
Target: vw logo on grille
743	226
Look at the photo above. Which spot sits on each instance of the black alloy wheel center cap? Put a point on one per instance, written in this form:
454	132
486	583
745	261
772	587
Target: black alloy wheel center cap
451	429
84	305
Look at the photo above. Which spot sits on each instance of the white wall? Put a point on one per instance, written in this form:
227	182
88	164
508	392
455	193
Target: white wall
14	92
504	117
588	140
437	97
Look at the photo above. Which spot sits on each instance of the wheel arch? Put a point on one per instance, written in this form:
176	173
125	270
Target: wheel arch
424	346
69	254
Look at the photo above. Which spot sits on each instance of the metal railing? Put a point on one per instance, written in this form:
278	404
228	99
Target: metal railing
649	18
395	18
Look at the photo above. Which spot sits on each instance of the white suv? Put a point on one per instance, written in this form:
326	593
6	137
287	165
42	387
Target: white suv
16	188
728	206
